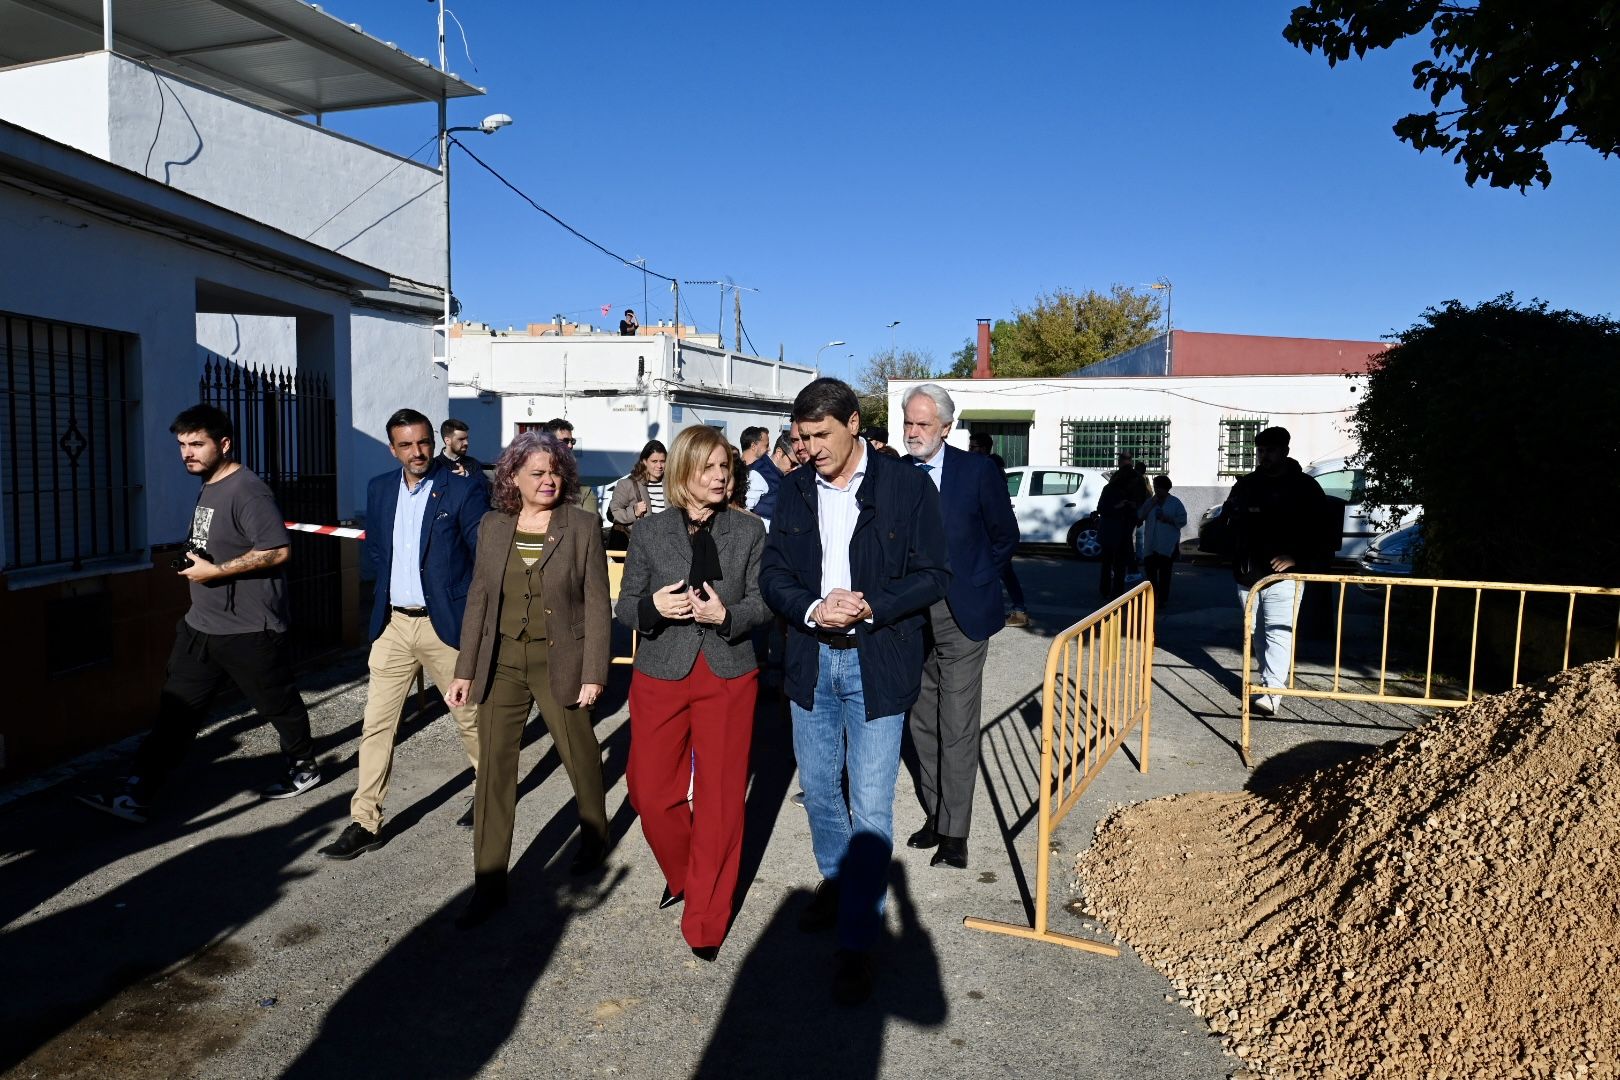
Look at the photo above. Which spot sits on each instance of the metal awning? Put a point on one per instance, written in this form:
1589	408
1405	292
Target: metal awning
284	55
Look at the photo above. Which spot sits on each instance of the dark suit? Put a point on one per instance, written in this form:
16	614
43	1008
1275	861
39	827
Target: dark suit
448	544
982	534
403	643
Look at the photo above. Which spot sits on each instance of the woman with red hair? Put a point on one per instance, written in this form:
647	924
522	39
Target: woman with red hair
537	630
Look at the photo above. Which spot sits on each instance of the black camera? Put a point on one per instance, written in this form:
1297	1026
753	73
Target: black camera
184	560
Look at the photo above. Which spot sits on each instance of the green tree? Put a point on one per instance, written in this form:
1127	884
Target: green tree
872	384
964	361
1499	421
1515	75
1065	331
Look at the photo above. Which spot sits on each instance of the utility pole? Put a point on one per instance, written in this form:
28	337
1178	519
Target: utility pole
676	285
736	297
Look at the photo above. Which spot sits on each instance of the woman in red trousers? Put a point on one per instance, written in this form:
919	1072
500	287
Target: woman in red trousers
691	589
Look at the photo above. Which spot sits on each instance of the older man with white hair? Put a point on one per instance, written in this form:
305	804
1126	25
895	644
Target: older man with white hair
981	535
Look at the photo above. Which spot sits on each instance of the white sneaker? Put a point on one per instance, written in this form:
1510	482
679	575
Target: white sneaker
1264	704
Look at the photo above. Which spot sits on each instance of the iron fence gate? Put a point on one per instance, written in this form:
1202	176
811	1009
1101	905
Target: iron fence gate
286	431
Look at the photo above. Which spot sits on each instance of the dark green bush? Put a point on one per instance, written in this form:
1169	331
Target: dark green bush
1500	420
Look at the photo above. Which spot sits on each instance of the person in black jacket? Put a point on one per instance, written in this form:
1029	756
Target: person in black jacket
1273	514
1117	504
855	557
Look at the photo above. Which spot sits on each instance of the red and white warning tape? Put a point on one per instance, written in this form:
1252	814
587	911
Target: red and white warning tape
327	530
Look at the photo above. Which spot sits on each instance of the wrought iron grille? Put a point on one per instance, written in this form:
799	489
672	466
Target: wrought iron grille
1097	444
1237	444
68	480
286	431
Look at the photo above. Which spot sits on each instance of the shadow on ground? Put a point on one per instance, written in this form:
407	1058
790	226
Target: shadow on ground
780	1019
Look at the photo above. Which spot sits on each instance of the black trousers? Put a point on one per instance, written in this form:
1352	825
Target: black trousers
1159	570
259	665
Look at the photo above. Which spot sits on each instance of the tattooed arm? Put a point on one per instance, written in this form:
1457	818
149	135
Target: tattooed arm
203	572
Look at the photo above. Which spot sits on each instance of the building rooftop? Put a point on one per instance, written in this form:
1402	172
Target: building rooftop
284	55
1187	353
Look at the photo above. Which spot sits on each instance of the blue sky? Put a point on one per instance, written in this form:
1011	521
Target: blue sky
860	163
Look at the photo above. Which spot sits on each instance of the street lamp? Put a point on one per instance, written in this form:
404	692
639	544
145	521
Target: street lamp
823	349
1169	295
890	327
489	126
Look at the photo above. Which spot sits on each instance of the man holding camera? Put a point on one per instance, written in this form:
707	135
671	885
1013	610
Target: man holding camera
236	628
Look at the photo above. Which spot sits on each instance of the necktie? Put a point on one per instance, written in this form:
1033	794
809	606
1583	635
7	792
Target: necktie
924	466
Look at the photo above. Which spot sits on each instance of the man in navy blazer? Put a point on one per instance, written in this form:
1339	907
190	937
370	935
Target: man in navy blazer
421	533
855	557
982	535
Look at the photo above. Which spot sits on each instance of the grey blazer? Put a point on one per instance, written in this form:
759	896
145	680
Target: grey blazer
661	554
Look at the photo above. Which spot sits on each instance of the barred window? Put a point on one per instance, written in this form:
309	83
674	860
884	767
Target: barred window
1237	444
68	481
1097	444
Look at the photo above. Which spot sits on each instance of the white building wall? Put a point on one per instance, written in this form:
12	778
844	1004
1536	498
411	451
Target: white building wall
90	278
392	368
1314	408
65	100
619	392
274	169
264	340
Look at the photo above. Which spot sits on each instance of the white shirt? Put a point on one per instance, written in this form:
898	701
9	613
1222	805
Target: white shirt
836	511
936	465
758	488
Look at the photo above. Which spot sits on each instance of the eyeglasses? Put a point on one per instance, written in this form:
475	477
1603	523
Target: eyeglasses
569	440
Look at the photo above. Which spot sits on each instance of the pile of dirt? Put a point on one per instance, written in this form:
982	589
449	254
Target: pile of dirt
1447	906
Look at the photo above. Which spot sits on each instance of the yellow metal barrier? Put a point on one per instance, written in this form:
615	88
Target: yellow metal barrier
1098	687
1388	587
615	582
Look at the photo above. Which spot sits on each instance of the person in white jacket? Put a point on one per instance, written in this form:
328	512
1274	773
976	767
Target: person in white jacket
1162	517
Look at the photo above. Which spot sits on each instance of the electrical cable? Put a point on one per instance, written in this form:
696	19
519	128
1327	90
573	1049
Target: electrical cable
397	166
464	47
1044	389
520	193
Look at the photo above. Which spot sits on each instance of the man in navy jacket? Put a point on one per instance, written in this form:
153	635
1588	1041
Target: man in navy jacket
421	532
982	534
854	559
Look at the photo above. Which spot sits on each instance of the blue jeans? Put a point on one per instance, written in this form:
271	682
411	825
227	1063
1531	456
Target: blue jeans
1275	613
820	737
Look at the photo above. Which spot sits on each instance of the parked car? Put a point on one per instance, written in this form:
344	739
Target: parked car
1057	504
1347	485
1392	554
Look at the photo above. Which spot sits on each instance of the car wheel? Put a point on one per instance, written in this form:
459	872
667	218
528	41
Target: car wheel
1085	539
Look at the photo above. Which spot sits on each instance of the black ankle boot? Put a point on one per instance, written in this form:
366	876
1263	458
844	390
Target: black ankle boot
489	896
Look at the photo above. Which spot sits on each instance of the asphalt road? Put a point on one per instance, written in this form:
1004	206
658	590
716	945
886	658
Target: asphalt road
215	942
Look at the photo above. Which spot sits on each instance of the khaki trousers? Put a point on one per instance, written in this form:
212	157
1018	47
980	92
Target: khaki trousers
521	680
406	646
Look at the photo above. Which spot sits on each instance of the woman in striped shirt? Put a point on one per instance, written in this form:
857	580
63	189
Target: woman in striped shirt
642	492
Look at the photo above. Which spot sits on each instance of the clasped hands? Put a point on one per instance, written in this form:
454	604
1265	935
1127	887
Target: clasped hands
678	602
840	609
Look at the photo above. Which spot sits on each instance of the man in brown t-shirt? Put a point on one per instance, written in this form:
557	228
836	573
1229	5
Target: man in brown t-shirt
236	628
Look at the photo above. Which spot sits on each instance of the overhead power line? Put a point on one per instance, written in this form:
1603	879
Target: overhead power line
520	193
